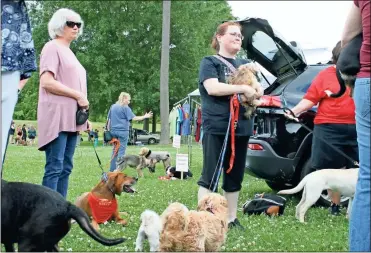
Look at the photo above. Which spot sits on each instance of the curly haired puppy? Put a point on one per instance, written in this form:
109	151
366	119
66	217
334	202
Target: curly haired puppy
247	75
150	229
201	230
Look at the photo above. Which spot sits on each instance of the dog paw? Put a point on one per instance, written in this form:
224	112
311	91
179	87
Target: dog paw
138	249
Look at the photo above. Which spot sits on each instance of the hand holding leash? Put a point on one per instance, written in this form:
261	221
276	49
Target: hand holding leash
290	114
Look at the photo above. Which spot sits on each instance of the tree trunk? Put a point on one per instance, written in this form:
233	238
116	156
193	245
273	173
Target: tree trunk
154	122
164	77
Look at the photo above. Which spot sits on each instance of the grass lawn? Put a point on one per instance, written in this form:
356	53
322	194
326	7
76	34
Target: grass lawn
322	232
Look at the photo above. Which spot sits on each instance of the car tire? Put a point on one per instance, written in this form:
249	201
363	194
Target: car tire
277	186
151	141
324	200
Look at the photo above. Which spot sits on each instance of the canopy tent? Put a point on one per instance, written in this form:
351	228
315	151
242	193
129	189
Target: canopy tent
191	101
194	93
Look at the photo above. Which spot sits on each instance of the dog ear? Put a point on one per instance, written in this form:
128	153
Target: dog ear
205	204
112	177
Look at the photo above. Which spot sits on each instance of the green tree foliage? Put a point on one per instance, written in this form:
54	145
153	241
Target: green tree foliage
121	49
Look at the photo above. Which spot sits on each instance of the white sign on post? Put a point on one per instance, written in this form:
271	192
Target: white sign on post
182	162
176	141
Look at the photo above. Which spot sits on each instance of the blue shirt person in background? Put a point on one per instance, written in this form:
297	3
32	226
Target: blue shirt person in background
119	117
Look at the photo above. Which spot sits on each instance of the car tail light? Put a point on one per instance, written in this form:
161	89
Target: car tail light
255	147
270	101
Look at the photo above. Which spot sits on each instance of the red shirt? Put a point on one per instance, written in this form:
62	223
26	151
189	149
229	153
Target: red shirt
365	53
330	110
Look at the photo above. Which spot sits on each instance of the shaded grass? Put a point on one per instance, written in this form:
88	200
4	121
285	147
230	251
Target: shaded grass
322	232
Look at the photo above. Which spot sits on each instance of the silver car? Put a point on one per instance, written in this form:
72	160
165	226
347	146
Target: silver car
145	137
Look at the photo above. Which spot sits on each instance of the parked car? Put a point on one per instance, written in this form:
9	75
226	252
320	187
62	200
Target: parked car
143	136
280	150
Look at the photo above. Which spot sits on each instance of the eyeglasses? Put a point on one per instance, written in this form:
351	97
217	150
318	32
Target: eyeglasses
238	35
72	24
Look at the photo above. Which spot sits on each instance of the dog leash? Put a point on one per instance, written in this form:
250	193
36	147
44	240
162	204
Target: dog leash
104	174
288	111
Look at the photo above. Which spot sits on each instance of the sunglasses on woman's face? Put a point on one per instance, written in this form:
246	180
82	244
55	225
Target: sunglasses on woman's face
72	24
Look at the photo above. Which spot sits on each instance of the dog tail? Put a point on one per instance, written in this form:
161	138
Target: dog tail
83	220
298	188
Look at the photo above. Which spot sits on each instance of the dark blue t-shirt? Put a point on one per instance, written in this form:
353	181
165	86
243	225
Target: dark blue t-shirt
120	117
216	109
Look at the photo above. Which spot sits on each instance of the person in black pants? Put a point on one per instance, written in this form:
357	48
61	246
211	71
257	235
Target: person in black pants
24	132
215	104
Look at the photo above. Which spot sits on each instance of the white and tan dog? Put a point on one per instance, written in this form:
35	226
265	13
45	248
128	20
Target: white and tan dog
341	180
150	229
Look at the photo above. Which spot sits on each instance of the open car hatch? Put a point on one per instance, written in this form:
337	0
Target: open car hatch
270	49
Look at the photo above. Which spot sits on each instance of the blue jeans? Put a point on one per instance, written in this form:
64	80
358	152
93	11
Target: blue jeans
359	226
123	137
59	162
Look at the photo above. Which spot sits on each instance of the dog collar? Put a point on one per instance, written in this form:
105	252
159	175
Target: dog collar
148	154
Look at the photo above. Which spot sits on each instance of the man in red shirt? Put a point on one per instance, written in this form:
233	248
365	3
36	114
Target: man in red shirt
359	228
334	123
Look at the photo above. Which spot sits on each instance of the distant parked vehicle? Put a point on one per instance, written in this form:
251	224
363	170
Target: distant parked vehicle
143	136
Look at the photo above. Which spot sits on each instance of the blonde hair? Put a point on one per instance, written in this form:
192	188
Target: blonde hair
122	96
58	22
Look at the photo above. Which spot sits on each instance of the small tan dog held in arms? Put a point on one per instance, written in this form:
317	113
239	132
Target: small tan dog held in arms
201	230
247	75
341	180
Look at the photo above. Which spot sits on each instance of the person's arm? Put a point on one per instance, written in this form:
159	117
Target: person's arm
215	88
352	26
49	64
53	86
209	77
145	116
302	106
313	96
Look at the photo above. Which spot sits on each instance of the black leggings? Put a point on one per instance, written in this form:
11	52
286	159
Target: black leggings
212	145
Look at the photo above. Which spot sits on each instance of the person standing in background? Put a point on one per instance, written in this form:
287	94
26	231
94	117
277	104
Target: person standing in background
119	117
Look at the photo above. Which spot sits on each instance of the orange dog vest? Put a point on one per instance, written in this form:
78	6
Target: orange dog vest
102	209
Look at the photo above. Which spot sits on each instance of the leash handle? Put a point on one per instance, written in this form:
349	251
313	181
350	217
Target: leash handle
288	111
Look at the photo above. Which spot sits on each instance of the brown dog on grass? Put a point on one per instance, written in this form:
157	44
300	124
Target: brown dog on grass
247	75
201	230
100	203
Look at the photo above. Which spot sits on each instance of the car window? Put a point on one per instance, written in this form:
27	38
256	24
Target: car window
141	132
265	44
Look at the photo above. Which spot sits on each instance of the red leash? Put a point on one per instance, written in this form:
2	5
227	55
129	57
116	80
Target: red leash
234	110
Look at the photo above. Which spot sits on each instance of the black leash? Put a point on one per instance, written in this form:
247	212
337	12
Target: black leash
104	174
288	111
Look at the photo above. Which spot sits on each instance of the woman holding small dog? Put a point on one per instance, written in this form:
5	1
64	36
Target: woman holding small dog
62	91
215	100
334	123
119	117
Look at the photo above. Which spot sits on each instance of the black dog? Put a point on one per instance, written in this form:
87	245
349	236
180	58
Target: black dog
171	172
37	218
348	65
